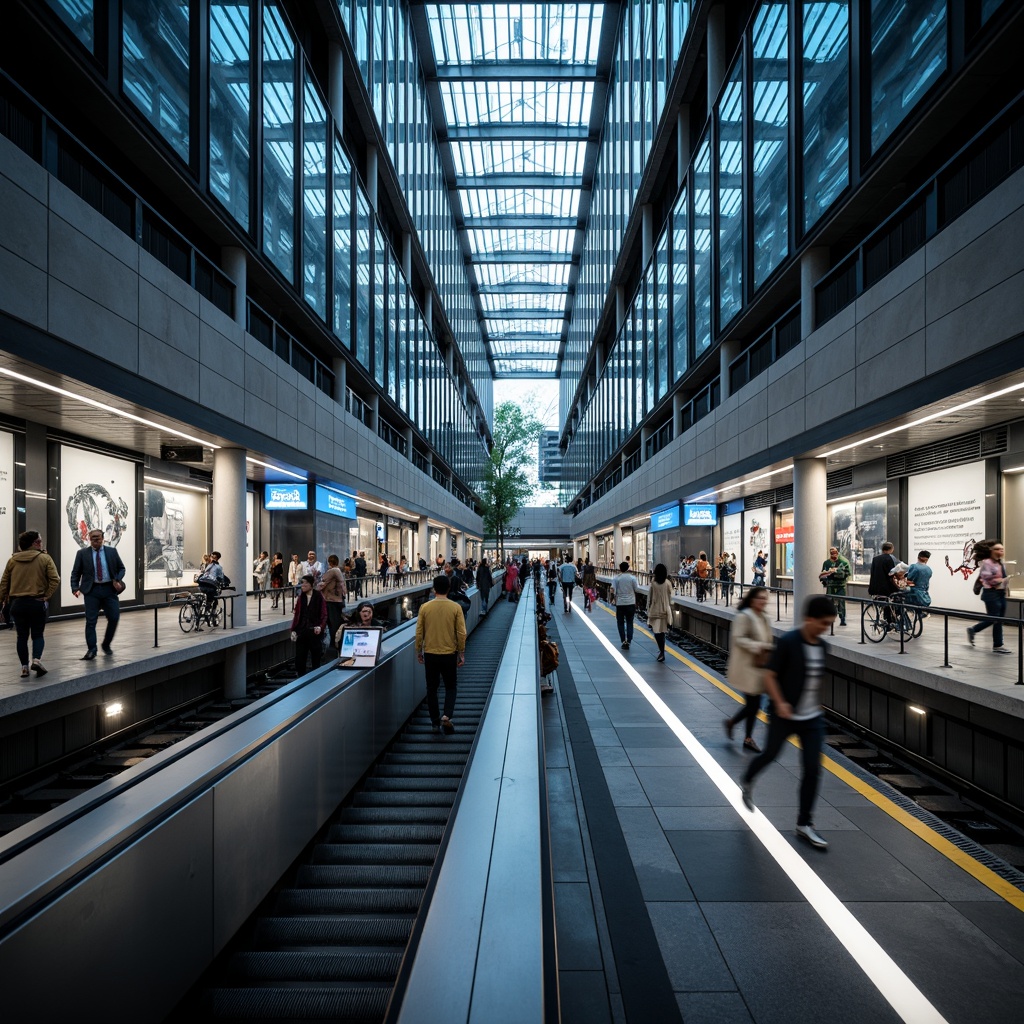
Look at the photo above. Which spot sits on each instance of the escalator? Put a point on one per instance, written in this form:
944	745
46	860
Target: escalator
328	942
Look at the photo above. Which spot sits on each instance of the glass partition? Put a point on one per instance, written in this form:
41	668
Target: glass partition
230	101
278	140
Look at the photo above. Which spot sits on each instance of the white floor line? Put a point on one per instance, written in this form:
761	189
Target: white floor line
900	992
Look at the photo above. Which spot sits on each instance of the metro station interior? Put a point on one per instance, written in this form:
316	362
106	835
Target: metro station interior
262	266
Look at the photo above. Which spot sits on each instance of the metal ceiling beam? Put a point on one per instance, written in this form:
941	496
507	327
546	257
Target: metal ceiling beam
522	256
522	288
504	180
519	132
516	71
518	313
524	223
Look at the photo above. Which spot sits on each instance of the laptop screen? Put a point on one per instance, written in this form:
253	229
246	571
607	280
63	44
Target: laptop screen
359	646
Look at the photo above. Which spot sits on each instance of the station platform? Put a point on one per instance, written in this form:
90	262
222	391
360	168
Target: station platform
672	900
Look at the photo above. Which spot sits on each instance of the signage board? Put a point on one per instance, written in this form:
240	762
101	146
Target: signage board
700	515
181	452
285	496
335	503
784	534
666	519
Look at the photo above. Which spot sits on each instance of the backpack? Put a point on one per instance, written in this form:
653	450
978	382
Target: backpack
224	582
977	585
548	657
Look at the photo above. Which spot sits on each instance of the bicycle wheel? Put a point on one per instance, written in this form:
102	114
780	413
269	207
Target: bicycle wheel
215	614
875	624
187	617
903	621
918	617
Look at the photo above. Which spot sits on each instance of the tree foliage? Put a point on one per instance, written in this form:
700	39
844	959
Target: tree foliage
506	484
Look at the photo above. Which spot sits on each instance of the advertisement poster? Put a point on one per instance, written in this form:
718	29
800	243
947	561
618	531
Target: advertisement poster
857	528
732	535
250	532
756	537
946	515
97	492
174	525
7	518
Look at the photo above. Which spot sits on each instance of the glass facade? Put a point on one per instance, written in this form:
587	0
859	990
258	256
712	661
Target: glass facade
278	141
230	104
314	199
730	198
80	17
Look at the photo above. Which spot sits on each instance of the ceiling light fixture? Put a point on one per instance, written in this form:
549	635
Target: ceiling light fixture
276	469
175	483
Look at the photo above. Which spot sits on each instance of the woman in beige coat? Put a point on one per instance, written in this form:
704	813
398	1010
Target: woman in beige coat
749	647
659	607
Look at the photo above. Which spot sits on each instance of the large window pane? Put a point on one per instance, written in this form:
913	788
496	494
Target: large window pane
314	200
649	337
661	297
230	101
156	64
342	246
80	17
702	249
680	287
380	287
908	53
771	147
826	103
730	198
278	140
363	270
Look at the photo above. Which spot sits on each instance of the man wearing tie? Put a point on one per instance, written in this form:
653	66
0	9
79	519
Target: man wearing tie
97	576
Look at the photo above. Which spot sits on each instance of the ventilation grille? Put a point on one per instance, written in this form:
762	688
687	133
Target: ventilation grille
953	452
839	478
762	500
784	495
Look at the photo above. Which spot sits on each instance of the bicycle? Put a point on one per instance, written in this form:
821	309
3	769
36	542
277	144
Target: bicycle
892	614
195	611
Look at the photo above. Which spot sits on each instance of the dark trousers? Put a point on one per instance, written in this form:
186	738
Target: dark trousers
567	593
624	620
335	612
552	587
101	596
838	595
29	616
748	713
812	735
995	604
441	668
308	643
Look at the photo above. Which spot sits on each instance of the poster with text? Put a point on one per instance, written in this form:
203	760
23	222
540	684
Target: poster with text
96	492
946	514
756	537
7	517
732	535
857	528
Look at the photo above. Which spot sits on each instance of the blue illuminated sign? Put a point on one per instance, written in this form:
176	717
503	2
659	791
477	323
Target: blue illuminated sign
732	507
335	503
700	515
279	496
666	519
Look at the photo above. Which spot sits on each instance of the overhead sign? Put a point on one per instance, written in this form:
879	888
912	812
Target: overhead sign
666	519
181	452
335	503
732	507
283	496
700	515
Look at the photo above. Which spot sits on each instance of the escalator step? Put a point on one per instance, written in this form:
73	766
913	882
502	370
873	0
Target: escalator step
410	785
348	1003
395	798
347	901
375	853
408	771
457	744
337	930
314	965
385	833
343	875
377	815
426	757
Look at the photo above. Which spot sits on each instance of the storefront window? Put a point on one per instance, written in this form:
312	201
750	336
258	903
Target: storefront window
176	534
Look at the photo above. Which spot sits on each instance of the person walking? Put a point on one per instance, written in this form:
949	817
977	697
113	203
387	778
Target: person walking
551	574
98	575
793	681
726	572
589	586
624	590
441	649
29	581
835	571
294	574
659	607
276	578
309	619
993	579
332	586
567	574
703	572
512	582
750	644
260	570
484	583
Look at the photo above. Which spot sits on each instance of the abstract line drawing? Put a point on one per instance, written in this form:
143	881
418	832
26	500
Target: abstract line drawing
91	507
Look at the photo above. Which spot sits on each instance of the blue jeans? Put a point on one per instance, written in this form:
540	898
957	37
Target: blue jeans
995	604
101	596
624	620
812	735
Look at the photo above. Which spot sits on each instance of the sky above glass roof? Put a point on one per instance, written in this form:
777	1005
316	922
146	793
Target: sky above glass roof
516	86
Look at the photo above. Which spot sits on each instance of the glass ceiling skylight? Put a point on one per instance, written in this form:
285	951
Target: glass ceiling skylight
516	84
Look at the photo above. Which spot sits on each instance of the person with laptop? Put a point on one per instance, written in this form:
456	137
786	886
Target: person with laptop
441	649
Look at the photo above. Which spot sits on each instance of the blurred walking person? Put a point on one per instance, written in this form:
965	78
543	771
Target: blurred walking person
750	644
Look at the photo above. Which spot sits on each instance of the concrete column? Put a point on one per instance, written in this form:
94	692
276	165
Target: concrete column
727	352
37	485
682	142
340	370
810	529
645	436
408	443
336	75
617	548
460	546
422	543
647	232
813	267
678	401
371	175
372	402
232	262
716	53
592	545
229	540
576	550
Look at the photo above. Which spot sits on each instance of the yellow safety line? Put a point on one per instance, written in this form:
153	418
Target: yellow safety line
985	875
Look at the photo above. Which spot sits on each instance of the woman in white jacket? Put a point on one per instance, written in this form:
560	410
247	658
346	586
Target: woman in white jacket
749	646
659	607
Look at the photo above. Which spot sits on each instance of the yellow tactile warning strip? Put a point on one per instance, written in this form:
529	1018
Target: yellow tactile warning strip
985	875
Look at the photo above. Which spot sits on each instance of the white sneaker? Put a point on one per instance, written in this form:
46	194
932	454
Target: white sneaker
1001	650
815	839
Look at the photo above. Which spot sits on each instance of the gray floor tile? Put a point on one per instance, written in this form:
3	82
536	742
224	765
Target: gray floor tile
578	948
687	819
665	757
625	787
583	997
633	710
713	1008
1000	921
657	870
646	737
614	756
679	787
826	818
691	955
604	736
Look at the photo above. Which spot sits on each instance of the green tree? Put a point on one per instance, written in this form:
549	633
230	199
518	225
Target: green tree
506	483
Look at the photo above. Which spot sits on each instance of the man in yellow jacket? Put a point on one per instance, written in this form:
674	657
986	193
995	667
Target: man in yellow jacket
29	581
441	648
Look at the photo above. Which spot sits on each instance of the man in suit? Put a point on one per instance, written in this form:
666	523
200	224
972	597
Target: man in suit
97	576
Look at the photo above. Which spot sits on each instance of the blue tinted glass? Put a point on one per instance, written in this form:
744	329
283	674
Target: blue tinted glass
391	341
363	270
989	7
680	287
908	53
342	246
314	200
771	146
278	140
662	299
155	54
702	249
650	341
730	198
80	17
380	286
230	100
826	103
